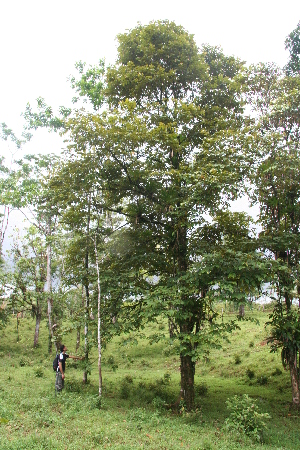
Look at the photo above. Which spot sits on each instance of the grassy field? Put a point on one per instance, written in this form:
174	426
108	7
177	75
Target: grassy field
134	412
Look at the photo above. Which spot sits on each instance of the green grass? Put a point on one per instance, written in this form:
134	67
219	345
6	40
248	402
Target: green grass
138	382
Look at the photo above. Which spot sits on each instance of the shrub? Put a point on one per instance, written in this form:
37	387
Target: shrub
128	379
38	371
166	378
201	389
251	345
250	374
237	359
24	361
263	380
245	417
277	372
112	363
125	387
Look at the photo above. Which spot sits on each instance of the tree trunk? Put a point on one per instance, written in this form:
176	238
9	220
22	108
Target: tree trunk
242	310
78	339
38	317
99	320
294	379
49	291
187	372
86	330
171	328
187	366
87	295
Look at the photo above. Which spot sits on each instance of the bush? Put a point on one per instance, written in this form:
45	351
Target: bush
201	389
251	345
125	387
112	363
263	380
38	371
277	372
237	359
245	417
250	374
24	361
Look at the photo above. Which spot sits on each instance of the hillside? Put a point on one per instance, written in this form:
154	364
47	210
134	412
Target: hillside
141	385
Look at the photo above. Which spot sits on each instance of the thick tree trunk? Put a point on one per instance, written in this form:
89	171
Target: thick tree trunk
187	366
294	379
187	372
242	310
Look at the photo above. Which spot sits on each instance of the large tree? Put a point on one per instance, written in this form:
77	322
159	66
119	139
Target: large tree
166	158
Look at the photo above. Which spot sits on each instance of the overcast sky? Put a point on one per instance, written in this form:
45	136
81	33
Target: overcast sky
41	40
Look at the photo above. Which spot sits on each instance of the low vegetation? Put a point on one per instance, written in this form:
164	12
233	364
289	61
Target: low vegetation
239	405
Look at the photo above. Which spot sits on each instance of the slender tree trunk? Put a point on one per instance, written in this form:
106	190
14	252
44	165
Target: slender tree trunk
99	320
86	330
171	328
49	290
78	339
87	295
18	338
38	317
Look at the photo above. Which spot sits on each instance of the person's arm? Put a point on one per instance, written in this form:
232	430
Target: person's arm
76	357
61	370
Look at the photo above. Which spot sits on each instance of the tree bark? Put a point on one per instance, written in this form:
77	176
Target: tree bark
49	290
187	366
187	372
242	310
87	295
294	379
99	320
38	317
78	339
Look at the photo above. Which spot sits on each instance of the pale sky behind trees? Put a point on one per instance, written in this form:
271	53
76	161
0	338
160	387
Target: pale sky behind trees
42	40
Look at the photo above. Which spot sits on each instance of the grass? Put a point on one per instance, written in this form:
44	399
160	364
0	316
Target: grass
138	382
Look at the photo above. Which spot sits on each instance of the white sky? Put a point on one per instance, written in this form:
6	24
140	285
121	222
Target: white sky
41	40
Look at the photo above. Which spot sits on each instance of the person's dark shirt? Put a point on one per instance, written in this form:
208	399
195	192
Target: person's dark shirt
62	358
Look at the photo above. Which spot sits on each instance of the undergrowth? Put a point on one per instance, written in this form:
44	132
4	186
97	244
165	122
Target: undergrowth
140	406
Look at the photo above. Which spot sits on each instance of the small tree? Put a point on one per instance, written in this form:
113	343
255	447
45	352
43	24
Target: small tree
29	276
276	178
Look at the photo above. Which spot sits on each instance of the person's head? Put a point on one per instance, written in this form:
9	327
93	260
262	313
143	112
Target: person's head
62	348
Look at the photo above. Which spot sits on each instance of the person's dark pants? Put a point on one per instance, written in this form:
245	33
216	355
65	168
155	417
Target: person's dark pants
59	382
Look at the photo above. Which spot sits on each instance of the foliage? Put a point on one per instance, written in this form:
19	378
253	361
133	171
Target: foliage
292	44
245	417
276	178
163	156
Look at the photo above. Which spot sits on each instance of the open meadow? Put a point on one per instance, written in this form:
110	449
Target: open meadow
140	388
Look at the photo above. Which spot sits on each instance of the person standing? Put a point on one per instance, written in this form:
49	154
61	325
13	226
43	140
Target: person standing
61	367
